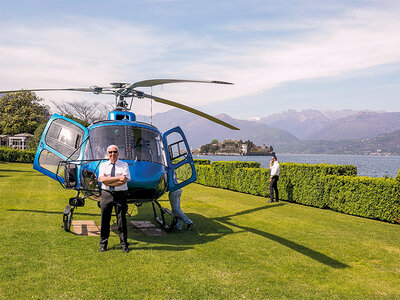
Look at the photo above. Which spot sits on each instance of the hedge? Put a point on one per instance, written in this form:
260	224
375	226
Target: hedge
374	198
335	187
15	155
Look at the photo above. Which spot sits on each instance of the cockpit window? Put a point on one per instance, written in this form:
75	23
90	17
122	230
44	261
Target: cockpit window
134	143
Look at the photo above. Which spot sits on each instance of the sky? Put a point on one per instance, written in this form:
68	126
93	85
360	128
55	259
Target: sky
280	55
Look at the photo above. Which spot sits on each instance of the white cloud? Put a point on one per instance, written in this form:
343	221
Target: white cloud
84	52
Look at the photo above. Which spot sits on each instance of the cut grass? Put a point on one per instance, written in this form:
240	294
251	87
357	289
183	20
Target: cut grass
241	247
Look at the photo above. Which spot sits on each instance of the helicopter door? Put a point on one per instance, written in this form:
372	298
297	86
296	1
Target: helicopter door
181	169
61	140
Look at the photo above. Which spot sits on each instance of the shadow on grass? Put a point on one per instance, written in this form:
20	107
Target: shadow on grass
52	212
249	211
153	248
15	171
207	230
321	258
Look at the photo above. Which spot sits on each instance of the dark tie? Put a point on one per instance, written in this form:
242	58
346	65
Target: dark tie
112	188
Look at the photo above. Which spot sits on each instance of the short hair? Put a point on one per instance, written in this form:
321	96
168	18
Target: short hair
108	148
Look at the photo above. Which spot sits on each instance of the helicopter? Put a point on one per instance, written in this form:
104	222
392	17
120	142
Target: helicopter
71	153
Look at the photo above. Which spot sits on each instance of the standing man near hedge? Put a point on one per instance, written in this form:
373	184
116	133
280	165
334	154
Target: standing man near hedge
114	175
273	181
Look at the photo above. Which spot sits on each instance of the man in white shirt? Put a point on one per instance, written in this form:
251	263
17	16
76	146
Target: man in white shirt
273	185
114	175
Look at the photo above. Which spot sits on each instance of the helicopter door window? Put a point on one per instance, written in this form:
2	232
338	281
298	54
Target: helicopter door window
49	161
176	147
183	172
64	137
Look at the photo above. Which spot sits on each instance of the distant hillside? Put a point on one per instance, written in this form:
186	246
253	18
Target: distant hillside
388	143
200	131
360	125
307	122
380	131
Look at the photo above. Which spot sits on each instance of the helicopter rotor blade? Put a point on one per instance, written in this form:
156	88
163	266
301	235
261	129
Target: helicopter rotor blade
46	90
153	82
190	109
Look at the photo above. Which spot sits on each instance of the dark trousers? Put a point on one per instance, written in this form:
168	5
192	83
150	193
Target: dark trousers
273	186
109	201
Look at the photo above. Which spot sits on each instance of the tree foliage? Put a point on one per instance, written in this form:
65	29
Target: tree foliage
34	141
21	112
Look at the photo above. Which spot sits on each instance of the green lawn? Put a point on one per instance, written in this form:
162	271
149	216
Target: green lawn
241	247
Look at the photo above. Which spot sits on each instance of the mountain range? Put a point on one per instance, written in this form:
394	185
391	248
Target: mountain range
309	131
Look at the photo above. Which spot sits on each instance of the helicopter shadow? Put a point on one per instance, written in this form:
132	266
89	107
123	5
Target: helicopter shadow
52	212
206	230
4	172
15	171
211	229
315	255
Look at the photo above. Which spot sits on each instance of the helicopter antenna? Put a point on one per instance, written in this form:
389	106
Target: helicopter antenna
151	108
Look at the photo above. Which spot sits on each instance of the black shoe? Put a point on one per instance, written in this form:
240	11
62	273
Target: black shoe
125	250
103	248
190	226
276	200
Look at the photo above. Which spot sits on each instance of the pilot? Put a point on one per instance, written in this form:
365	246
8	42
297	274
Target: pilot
114	175
142	151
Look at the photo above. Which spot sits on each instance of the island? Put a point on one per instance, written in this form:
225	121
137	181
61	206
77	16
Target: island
235	147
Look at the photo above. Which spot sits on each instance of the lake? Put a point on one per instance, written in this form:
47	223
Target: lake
367	165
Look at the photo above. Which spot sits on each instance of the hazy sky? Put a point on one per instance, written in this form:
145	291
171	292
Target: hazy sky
280	54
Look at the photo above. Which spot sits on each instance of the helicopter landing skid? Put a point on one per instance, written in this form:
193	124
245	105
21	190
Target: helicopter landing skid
162	221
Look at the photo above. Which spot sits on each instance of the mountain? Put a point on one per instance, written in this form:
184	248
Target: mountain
307	122
374	132
387	143
200	131
360	125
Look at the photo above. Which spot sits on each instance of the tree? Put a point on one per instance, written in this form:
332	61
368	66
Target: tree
21	112
214	141
87	112
34	142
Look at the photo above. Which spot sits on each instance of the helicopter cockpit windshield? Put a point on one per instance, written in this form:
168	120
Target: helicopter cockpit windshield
134	143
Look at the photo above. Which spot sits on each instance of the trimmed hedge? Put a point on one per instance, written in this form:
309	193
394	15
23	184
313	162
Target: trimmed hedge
14	155
373	198
202	161
336	187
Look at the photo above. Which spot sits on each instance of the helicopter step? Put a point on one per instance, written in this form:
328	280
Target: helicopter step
68	213
162	221
67	217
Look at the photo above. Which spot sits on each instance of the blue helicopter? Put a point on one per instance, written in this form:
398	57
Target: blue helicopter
71	153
